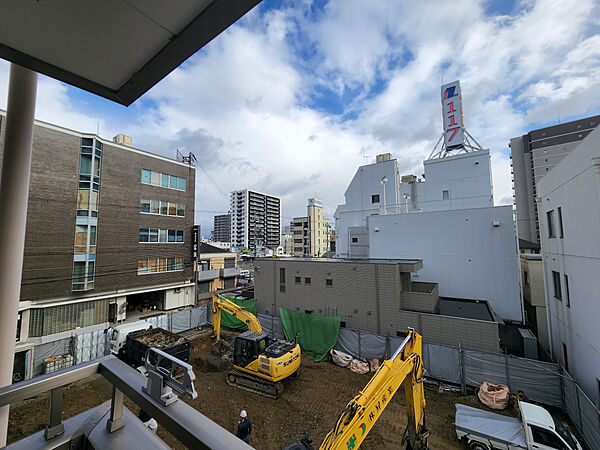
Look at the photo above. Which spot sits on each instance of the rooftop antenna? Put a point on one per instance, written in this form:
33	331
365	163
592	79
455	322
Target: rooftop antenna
367	158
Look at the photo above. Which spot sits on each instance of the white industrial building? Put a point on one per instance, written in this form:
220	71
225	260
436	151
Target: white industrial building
446	218
568	200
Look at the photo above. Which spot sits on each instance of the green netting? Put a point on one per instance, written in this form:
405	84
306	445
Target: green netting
229	321
318	334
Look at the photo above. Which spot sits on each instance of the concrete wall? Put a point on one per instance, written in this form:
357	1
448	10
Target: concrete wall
461	251
574	186
436	329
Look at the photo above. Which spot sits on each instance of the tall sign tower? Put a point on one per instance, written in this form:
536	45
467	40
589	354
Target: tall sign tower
455	138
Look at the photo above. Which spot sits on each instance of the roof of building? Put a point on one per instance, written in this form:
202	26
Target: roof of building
128	46
207	248
467	309
406	265
525	244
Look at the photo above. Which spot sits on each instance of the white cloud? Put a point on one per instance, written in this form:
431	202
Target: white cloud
245	105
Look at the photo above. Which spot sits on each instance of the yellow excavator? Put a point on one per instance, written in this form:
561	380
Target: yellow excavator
361	413
260	362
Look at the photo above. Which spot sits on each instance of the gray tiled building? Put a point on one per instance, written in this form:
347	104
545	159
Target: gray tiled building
535	154
222	228
376	296
108	231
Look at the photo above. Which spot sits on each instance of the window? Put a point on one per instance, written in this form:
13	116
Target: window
85	165
159	265
525	277
567	294
179	236
560	224
172	209
342	324
307	280
144	206
445	194
78	276
328	282
308	311
281	279
164	208
144	232
154	207
565	357
162	235
546	437
556	282
181	209
354	240
153	235
161	179
375	198
550	217
297	280
171	234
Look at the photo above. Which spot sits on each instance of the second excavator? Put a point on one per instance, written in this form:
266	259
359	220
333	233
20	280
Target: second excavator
260	362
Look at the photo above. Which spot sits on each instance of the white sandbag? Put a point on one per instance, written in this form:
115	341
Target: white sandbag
340	358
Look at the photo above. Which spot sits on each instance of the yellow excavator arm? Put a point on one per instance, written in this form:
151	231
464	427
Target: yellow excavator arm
220	303
361	413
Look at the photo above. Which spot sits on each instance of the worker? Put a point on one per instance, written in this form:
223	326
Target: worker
244	427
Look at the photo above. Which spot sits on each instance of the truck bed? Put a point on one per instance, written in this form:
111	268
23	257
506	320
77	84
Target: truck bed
139	342
482	426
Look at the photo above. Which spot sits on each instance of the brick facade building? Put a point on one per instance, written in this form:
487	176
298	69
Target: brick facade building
108	232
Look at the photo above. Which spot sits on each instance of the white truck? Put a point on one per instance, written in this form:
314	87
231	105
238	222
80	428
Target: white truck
537	430
117	336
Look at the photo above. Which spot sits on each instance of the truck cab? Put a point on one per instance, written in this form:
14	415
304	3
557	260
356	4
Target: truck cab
543	431
117	336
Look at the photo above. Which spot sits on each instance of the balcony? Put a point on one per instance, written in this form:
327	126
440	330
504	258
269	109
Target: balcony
230	272
208	275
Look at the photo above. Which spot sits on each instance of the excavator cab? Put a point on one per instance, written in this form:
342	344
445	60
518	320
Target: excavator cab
248	346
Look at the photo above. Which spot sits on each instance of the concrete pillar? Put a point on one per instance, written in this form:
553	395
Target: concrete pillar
14	194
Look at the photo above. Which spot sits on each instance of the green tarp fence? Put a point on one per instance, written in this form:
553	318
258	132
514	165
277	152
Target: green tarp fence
229	321
318	334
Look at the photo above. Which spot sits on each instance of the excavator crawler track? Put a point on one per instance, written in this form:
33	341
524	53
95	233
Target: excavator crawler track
254	384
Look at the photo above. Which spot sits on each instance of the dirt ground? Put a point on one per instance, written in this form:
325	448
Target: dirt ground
309	406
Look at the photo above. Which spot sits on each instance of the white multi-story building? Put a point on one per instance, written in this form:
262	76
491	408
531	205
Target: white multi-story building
445	218
255	219
568	200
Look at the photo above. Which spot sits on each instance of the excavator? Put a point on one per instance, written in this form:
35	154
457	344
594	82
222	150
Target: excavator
260	362
361	413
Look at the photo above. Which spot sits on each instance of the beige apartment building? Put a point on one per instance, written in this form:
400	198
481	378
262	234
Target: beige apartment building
311	233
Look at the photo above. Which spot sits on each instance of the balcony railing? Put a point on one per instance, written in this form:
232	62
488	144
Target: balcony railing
230	272
208	275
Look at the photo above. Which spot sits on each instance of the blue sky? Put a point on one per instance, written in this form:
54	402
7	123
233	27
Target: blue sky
296	95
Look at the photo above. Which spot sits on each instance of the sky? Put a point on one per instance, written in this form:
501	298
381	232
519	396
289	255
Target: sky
296	95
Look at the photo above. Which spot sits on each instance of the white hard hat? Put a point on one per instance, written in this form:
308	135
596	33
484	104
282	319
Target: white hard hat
243	413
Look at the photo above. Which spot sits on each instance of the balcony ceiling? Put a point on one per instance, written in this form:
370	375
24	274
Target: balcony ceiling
117	49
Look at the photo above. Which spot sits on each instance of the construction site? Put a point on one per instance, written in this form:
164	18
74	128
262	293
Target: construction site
309	401
308	406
